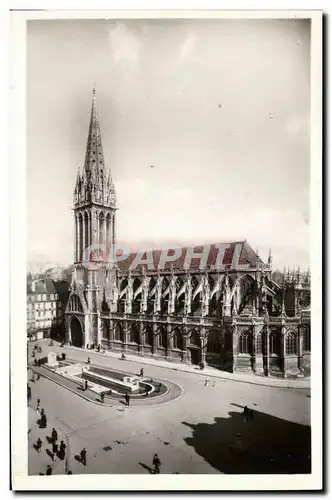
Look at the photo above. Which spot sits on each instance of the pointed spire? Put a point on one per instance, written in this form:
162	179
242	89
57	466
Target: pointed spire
94	157
95	177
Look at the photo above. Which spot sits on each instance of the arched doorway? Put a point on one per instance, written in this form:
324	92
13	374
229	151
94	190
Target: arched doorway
76	333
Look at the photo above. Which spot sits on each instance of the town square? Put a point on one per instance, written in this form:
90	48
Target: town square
197	432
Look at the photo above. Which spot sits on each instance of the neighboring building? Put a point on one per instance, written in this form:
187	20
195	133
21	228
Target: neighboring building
45	309
230	313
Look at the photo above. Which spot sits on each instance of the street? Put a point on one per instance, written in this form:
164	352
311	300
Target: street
193	434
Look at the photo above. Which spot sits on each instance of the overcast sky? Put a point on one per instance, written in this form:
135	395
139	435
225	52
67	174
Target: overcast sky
219	108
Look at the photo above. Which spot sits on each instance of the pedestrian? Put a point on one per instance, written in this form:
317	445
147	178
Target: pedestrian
62	450
29	393
98	347
141	374
127	398
87	346
102	397
156	463
246	413
83	456
88	361
206	382
54	449
39	444
54	435
49	471
38	407
43	420
86	385
37	376
39	362
35	360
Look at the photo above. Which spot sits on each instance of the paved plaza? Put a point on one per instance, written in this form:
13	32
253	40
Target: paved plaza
202	431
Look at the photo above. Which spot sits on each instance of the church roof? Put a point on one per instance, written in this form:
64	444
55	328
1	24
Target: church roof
247	256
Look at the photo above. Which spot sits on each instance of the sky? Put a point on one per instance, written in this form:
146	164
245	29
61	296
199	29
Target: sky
205	127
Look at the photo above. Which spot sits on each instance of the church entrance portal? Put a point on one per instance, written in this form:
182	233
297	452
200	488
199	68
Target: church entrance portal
76	333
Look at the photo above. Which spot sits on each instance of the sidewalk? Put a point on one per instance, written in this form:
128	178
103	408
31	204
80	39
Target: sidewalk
302	383
38	461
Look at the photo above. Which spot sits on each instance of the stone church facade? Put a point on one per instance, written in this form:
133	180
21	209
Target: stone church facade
217	304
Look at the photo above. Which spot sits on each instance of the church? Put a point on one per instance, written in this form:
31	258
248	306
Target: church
215	305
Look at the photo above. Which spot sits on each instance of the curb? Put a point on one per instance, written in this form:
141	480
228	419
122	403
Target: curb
70	389
48	377
218	377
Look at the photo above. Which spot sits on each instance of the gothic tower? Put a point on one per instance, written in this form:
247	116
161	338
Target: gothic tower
94	212
94	199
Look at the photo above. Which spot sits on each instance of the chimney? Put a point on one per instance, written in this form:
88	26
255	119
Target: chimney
33	286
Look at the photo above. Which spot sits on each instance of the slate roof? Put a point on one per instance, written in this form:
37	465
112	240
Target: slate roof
247	256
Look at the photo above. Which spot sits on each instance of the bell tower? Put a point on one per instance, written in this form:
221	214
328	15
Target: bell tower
94	199
94	213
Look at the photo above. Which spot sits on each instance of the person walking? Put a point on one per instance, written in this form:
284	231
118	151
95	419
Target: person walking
88	360
141	373
38	407
29	394
54	449
54	436
49	471
127	398
156	464
62	450
83	456
39	444
43	419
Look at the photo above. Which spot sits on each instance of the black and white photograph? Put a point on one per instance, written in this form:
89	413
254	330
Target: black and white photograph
172	302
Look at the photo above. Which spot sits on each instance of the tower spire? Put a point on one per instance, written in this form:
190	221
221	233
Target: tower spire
97	183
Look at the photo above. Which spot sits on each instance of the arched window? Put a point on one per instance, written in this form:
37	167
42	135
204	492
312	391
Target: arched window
163	338
149	335
134	333
177	339
291	343
150	301
306	339
214	342
136	305
194	338
245	343
118	331
274	343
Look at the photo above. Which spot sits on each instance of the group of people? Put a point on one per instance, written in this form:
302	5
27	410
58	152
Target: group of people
59	451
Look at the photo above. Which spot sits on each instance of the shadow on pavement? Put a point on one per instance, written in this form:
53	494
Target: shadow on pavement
147	467
264	445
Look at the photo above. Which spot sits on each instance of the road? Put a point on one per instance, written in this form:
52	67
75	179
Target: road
192	434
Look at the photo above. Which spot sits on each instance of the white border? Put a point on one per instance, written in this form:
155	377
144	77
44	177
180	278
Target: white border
18	273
